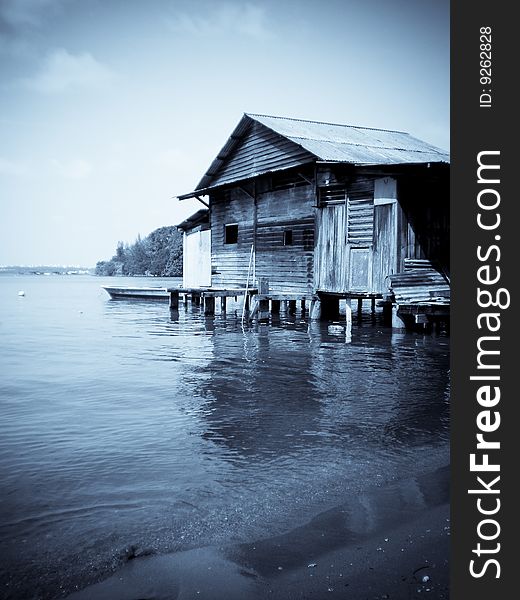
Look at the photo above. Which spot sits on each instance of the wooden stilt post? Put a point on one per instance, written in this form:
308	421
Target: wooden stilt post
387	314
359	308
315	312
174	300
263	285
185	299
223	300
254	308
397	322
329	307
302	306
275	307
263	308
373	306
209	305
348	320
292	307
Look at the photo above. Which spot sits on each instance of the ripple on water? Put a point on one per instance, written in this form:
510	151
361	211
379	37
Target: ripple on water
122	425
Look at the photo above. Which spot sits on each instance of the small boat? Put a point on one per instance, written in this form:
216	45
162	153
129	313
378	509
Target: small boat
137	293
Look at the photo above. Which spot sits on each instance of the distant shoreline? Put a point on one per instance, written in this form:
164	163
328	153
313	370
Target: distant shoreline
46	270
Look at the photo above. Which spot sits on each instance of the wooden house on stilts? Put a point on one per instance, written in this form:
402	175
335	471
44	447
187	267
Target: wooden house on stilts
326	211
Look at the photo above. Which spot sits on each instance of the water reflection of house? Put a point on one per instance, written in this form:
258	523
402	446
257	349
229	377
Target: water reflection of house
257	403
326	208
281	393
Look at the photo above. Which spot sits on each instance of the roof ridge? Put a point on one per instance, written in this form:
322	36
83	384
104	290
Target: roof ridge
430	149
326	123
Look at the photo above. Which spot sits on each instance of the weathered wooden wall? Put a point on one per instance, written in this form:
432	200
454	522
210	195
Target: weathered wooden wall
288	267
383	219
359	230
262	222
229	262
260	150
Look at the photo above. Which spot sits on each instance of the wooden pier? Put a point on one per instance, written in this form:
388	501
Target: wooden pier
262	304
272	303
417	300
426	315
206	297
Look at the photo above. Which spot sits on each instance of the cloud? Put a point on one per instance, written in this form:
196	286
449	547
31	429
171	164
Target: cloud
72	169
62	71
244	19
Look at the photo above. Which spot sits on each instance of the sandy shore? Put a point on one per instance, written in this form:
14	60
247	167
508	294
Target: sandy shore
391	542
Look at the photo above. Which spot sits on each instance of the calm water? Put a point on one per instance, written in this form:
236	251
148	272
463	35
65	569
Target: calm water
124	427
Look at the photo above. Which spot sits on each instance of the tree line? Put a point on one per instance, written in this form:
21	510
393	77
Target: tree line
159	253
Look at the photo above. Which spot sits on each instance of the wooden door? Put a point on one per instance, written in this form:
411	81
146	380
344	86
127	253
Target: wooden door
385	233
360	268
360	233
343	257
331	253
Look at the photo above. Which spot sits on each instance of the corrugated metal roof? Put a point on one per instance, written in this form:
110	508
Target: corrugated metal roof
328	142
352	144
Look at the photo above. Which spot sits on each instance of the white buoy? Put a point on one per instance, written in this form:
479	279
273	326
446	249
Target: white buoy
21	293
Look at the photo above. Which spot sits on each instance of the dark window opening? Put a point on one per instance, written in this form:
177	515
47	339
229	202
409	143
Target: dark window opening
230	234
287	237
332	194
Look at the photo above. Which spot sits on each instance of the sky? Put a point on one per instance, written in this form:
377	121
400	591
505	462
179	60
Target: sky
109	109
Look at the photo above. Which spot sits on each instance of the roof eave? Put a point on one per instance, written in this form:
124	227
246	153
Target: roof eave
226	149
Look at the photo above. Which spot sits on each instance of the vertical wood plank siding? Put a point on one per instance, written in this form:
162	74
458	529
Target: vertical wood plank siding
331	257
345	237
385	246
